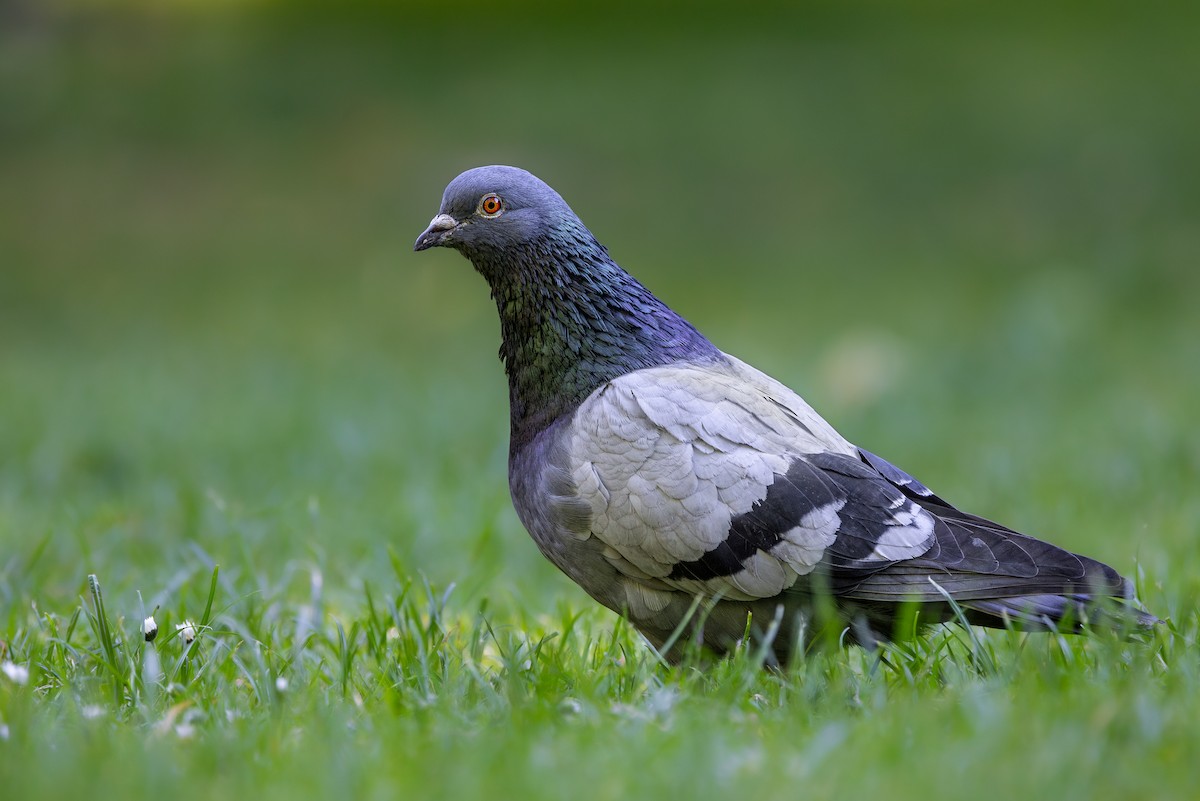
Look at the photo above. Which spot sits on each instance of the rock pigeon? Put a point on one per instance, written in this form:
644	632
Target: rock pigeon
654	469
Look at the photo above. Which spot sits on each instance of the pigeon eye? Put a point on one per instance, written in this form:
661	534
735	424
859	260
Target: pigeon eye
491	206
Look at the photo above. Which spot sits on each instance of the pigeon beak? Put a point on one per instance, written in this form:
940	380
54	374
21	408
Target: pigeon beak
435	235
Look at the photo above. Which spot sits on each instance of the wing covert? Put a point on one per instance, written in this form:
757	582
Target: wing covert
707	480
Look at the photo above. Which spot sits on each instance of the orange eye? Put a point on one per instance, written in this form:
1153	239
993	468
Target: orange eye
491	205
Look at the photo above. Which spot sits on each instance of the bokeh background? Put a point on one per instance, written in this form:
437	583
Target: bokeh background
968	235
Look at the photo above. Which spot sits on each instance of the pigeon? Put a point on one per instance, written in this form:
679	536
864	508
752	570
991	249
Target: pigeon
703	500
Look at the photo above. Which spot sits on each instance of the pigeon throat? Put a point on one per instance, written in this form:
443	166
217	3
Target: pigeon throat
572	320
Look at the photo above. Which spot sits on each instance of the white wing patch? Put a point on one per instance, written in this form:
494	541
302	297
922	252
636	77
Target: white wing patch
911	527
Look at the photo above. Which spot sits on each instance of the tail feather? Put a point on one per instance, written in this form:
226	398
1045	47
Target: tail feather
1052	612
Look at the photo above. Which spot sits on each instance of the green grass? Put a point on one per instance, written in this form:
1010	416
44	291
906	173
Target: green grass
230	393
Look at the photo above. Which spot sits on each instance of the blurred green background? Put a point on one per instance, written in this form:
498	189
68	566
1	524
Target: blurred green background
967	235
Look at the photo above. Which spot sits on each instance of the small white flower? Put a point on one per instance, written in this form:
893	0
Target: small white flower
187	630
17	674
150	628
92	711
281	684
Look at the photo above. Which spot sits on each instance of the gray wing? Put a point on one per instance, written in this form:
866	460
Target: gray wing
717	479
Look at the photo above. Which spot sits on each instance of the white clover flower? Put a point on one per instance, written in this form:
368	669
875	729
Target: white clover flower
17	674
149	628
187	630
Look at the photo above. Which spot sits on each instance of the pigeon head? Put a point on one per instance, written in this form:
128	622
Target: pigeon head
488	212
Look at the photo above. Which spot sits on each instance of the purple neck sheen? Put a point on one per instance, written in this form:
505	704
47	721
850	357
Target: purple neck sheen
571	320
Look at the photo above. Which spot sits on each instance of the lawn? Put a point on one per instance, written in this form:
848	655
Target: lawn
231	395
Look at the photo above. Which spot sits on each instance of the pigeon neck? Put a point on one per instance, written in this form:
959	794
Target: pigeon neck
572	320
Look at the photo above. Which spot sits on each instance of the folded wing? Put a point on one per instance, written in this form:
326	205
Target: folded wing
715	479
